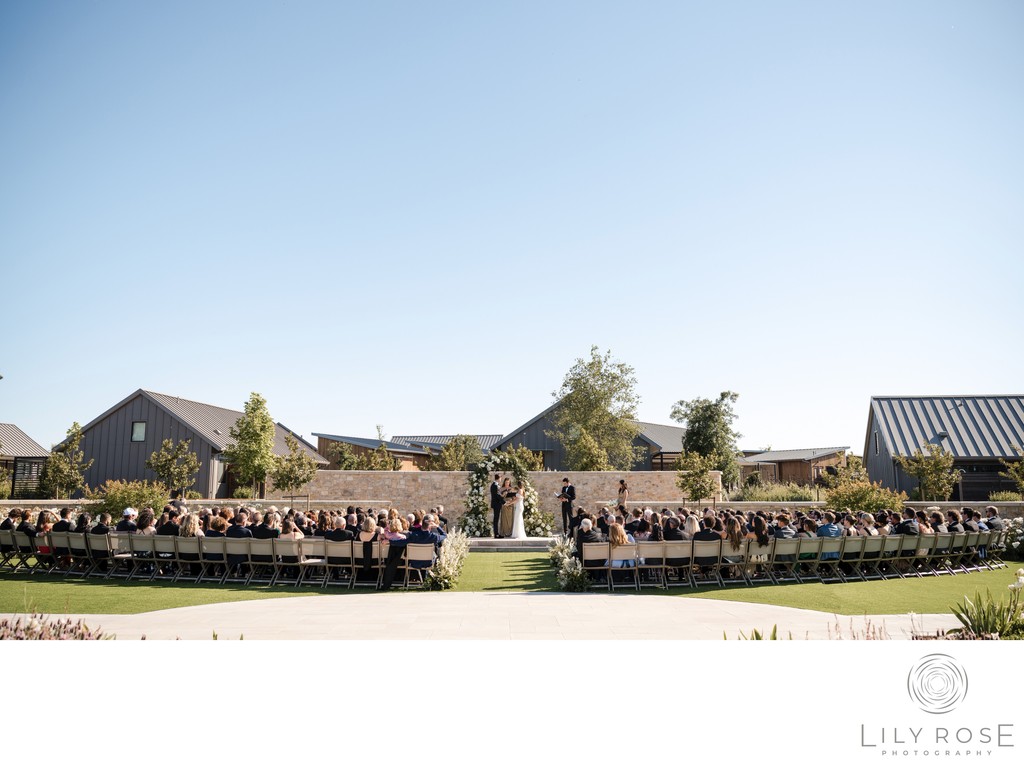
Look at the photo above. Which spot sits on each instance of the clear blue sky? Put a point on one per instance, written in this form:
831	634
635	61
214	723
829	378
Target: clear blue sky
419	214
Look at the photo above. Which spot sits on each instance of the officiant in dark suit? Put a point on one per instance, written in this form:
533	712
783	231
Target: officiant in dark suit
567	496
497	503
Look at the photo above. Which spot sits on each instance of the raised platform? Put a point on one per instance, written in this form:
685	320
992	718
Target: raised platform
491	545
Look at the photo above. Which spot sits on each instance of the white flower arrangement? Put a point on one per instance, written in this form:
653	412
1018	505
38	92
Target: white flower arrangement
445	572
1015	537
477	521
561	549
572	576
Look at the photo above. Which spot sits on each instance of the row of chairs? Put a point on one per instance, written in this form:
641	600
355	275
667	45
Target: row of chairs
824	559
221	560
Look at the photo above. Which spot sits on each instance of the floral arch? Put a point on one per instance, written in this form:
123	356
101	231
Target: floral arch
477	522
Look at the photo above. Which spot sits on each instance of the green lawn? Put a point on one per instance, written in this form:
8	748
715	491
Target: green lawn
497	572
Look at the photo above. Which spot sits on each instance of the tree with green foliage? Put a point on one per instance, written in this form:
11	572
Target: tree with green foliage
594	419
694	475
251	455
176	465
530	460
709	431
461	453
933	471
379	459
1015	470
64	471
295	470
342	454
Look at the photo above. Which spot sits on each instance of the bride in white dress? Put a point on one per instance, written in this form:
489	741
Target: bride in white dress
518	525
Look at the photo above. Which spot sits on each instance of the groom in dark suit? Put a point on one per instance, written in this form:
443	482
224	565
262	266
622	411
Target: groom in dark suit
497	503
567	496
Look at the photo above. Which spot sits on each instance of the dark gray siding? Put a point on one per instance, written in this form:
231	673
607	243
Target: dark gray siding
109	444
535	438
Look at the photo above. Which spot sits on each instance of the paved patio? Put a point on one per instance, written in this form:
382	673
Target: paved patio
419	616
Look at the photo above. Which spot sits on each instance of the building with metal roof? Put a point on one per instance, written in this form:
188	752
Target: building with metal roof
800	466
120	440
978	431
436	443
661	444
24	458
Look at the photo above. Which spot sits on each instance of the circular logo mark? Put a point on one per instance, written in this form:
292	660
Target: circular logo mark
937	683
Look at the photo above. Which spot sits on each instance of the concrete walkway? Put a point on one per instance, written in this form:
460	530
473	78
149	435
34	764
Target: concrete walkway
419	616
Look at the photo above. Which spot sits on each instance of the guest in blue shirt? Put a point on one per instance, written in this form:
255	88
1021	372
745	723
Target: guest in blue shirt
829	529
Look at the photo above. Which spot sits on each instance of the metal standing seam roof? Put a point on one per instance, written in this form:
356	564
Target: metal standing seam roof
667	438
358	441
214	424
211	423
486	441
783	455
974	426
16	443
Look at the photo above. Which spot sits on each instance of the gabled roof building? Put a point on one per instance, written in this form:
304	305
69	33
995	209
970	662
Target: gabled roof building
24	458
977	430
121	440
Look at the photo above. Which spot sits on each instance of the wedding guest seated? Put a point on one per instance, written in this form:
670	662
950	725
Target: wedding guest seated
993	520
617	536
690	527
26	527
587	534
217	527
169	527
101	528
64	525
12	521
953	521
829	529
146	524
340	532
82	523
127	522
909	524
672	532
393	531
44	525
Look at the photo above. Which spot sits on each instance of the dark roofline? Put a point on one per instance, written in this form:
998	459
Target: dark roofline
355	441
156	402
525	425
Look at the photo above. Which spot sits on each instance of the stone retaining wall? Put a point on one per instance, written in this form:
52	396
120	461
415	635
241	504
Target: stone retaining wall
424	489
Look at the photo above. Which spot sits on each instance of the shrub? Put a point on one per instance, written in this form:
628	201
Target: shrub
37	627
1015	538
1006	497
242	493
864	496
115	496
6	476
987	617
774	493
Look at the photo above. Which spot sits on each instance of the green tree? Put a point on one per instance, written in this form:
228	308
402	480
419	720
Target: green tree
251	456
295	470
459	454
342	454
1015	470
594	419
379	459
694	475
530	460
6	479
64	471
176	465
709	431
933	471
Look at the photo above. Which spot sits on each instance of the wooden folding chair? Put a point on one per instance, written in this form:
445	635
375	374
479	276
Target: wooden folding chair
263	564
906	554
188	554
891	545
871	557
78	548
622	562
679	559
312	557
783	566
419	557
733	566
46	560
595	559
367	564
8	549
102	550
61	552
339	562
759	559
166	556
651	562
829	557
970	561
238	568
143	550
25	550
851	557
707	561
215	559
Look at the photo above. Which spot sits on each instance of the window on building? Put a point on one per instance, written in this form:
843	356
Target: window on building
139	431
875	435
